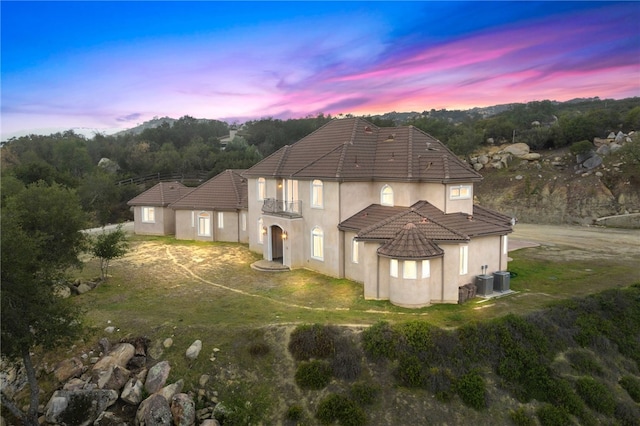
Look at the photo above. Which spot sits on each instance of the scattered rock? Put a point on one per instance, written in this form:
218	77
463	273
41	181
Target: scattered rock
157	377
72	367
79	408
183	410
169	391
517	149
194	350
132	392
168	342
154	411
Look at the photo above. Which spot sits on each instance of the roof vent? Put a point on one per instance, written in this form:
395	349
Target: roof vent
391	137
424	220
368	130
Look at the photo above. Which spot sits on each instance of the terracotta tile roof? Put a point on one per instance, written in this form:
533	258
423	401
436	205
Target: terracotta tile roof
225	191
353	149
160	195
413	232
410	243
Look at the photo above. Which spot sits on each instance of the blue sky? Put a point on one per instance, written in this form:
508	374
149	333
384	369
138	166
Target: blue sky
113	65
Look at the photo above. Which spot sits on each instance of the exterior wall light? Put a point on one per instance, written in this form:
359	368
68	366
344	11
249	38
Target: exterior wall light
284	235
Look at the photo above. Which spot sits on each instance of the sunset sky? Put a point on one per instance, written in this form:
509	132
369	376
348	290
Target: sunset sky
109	65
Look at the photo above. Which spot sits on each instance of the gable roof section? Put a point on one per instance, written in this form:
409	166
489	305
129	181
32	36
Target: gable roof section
353	149
410	243
482	222
225	191
160	195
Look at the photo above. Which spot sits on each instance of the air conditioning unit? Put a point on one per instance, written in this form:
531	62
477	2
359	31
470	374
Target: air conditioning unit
484	284
501	281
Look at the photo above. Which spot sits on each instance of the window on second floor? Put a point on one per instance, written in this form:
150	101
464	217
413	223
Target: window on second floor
262	189
149	214
317	243
204	224
460	192
317	197
386	196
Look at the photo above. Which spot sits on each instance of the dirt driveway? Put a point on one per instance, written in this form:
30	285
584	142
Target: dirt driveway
580	242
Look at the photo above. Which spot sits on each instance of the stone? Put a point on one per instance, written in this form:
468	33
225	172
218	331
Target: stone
157	377
614	147
483	159
209	422
517	149
603	150
204	413
156	350
79	408
113	377
132	392
107	418
519	177
532	156
497	165
183	410
110	329
154	411
203	380
105	345
611	136
169	391
194	350
477	167
620	137
83	288
168	342
64	370
120	355
62	290
108	165
598	142
74	384
581	158
592	162
599	174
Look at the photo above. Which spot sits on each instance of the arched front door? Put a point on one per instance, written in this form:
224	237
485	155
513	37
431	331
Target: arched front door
276	244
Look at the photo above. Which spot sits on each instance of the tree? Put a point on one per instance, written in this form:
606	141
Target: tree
108	246
41	238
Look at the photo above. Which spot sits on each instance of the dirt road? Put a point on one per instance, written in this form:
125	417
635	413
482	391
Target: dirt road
580	241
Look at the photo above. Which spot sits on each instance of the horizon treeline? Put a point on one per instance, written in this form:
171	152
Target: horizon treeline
191	147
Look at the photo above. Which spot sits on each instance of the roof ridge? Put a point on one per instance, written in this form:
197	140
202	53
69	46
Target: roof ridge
281	160
351	141
318	159
234	185
410	154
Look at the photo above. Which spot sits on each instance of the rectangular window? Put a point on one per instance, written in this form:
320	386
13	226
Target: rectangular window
426	269
262	189
204	225
460	192
464	260
193	219
393	268
149	214
317	244
410	270
505	244
354	251
243	220
316	194
220	220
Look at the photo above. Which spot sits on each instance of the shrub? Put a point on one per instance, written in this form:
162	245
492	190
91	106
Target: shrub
583	361
312	341
337	407
596	395
471	389
364	393
415	337
294	413
346	363
627	413
259	349
313	374
410	371
632	386
560	393
521	418
440	382
379	341
581	147
550	415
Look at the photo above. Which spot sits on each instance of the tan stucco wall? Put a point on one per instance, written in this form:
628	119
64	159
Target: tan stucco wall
163	225
186	226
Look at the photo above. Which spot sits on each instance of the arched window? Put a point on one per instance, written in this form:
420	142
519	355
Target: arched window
261	231
386	196
317	243
317	198
204	224
262	189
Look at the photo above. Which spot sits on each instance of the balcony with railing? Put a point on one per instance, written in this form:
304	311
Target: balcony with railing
291	209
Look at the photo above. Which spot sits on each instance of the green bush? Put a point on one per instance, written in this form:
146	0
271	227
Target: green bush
596	395
632	386
550	415
627	413
440	382
520	417
560	393
471	389
581	147
312	341
364	393
410	371
379	341
583	361
314	374
339	408
295	413
415	337
259	349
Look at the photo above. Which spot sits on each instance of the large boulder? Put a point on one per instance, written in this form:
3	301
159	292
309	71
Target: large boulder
593	162
517	149
132	392
78	408
108	418
170	390
65	370
120	355
154	411
157	377
183	410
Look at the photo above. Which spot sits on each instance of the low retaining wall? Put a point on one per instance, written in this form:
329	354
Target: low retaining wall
629	221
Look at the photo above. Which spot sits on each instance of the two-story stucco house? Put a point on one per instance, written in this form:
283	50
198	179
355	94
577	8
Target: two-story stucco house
391	208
